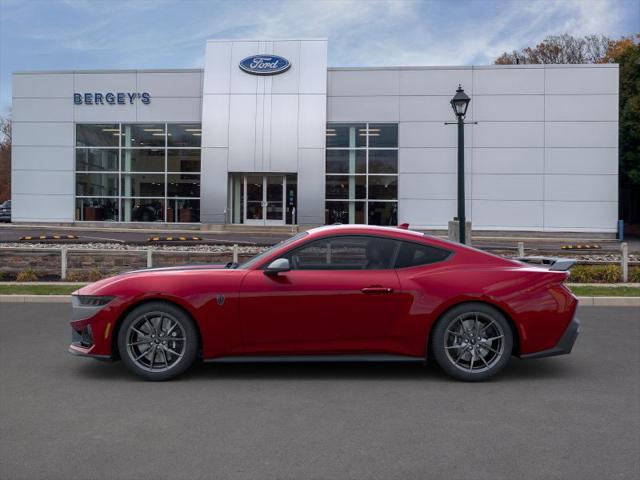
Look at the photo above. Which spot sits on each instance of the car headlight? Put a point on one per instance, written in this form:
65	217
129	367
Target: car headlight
86	306
92	300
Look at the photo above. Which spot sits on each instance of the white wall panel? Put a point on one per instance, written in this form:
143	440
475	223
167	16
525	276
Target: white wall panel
242	133
508	160
242	82
577	216
311	121
353	83
508	108
105	113
170	84
217	68
42	182
432	186
170	110
581	187
376	109
432	160
42	134
505	134
215	120
284	134
435	81
427	213
105	82
495	215
313	67
508	80
213	197
43	85
290	81
431	134
311	168
29	208
582	108
507	187
574	80
42	110
429	108
42	158
581	160
582	134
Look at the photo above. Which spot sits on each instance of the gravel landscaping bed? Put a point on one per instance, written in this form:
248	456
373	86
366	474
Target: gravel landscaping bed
252	250
203	248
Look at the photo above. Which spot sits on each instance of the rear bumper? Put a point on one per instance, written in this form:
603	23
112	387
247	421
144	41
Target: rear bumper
564	345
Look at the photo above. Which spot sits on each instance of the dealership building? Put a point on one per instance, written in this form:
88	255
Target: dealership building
267	134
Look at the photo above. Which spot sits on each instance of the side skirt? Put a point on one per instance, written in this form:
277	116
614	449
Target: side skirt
314	358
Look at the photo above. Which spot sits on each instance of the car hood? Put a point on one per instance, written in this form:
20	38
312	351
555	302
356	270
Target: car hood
106	284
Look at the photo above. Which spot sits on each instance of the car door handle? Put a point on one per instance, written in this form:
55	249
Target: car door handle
377	290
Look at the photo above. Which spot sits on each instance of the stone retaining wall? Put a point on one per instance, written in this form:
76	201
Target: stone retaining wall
87	265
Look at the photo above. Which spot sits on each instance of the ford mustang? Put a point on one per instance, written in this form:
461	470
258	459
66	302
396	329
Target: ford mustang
335	293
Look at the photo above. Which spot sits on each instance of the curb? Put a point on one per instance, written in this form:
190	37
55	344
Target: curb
35	298
609	301
584	301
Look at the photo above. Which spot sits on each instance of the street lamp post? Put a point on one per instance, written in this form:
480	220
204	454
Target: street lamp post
460	103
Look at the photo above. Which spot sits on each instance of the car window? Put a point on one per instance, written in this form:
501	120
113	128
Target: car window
414	254
256	259
345	253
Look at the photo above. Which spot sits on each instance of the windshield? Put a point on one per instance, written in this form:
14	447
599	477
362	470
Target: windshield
258	258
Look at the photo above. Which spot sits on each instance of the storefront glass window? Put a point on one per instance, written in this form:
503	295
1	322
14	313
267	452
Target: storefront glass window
103	135
362	173
138	172
184	135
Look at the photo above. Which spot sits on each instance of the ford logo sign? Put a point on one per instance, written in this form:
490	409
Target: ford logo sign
265	64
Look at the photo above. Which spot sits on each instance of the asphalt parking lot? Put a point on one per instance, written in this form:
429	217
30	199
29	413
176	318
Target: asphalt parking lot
572	417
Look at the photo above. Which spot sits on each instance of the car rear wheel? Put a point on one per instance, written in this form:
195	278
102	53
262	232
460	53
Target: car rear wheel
472	342
157	341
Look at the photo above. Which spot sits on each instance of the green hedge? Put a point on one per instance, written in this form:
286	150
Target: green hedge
602	274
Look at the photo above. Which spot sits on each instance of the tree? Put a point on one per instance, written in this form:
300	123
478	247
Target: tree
560	49
626	53
5	159
600	49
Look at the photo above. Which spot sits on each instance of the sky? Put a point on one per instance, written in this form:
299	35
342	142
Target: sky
115	34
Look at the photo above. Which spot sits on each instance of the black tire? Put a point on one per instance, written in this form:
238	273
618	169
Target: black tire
158	341
472	342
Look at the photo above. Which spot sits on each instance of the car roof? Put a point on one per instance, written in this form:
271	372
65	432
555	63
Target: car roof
363	229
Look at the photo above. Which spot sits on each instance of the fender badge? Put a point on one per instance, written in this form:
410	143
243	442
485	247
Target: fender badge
220	299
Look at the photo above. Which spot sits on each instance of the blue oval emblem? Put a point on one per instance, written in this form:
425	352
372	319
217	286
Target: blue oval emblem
265	64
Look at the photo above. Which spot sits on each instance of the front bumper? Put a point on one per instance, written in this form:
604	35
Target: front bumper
91	327
564	345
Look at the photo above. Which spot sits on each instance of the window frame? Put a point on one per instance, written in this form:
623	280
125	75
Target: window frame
366	148
121	148
345	235
399	241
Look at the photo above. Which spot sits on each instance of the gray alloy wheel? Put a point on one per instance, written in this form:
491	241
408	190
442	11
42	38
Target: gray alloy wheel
157	341
472	342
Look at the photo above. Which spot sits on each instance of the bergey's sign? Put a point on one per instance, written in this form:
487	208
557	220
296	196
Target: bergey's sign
265	64
111	98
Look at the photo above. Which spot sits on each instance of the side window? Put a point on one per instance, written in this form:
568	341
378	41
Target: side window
413	254
345	253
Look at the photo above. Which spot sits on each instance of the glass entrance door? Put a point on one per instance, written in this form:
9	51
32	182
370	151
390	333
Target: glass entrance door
264	199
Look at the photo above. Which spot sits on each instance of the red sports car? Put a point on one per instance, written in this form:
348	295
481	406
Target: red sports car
337	293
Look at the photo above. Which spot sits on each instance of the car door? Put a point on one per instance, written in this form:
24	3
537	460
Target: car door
340	296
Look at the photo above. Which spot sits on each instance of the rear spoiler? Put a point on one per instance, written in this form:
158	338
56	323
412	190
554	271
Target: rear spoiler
555	264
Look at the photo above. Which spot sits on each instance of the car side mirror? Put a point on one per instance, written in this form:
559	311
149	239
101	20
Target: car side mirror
279	265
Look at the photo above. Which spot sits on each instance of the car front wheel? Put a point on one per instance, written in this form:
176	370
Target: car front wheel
472	342
157	341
